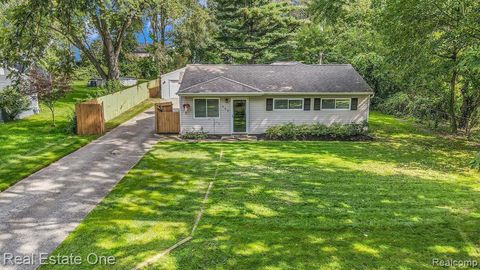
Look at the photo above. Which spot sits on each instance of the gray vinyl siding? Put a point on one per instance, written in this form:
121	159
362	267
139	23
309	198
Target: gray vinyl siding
220	125
260	119
34	107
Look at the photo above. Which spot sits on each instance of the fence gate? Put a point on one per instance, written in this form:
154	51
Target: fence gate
90	119
166	120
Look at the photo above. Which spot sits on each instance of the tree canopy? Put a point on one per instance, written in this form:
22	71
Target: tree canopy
421	57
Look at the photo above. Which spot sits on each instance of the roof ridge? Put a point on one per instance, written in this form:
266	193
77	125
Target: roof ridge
244	84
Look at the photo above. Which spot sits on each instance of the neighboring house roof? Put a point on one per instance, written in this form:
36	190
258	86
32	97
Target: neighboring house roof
278	78
140	48
4	80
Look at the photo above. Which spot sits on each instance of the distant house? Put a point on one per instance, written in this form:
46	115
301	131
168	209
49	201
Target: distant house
99	82
141	51
170	83
247	99
4	82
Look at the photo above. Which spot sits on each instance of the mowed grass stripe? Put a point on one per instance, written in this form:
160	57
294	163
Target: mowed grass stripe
387	204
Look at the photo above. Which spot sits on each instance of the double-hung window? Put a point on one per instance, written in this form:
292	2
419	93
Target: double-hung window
336	104
288	104
206	107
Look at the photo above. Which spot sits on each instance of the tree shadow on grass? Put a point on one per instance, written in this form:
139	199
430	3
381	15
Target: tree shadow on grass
150	209
279	206
267	213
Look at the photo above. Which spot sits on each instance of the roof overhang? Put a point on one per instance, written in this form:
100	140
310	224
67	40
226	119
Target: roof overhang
277	94
223	94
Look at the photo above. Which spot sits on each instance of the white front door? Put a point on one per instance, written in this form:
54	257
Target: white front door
240	115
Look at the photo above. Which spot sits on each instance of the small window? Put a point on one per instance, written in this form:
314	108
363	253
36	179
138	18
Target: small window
342	104
206	107
328	104
288	104
295	104
281	104
336	104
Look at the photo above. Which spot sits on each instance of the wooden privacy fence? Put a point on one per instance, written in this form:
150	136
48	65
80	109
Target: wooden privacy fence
154	91
166	120
90	119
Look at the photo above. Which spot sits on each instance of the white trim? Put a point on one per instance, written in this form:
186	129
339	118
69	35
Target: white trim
317	93
247	115
278	94
206	108
335	101
220	94
288	104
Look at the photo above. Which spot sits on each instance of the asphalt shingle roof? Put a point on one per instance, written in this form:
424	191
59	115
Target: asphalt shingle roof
298	78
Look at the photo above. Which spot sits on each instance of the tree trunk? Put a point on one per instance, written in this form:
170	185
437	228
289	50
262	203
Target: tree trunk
52	110
113	68
111	48
452	102
163	27
466	109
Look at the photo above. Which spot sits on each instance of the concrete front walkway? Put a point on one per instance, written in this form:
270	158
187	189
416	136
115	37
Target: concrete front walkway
39	212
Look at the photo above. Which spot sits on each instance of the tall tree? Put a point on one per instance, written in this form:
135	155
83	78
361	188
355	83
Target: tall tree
179	29
254	31
32	22
433	33
344	32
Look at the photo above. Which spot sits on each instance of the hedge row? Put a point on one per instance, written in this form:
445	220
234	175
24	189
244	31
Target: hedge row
291	131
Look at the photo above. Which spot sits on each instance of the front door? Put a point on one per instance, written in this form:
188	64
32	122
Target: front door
239	115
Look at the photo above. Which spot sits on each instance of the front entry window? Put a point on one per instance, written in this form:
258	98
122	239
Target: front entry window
240	116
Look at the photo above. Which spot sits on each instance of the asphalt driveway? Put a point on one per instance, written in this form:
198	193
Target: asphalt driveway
38	213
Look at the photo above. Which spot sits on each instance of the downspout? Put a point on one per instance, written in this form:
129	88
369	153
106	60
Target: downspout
368	107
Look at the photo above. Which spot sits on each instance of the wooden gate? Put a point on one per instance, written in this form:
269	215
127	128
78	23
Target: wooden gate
90	119
166	120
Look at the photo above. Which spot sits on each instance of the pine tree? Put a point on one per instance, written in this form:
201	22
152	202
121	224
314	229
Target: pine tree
254	31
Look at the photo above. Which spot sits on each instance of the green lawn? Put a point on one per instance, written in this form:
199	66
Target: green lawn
30	144
395	203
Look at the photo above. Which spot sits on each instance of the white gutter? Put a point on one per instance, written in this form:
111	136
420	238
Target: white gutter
274	93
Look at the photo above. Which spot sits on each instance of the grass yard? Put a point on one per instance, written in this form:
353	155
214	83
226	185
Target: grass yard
395	203
30	144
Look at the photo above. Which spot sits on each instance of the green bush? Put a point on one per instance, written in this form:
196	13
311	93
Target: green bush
72	124
85	73
426	109
111	87
12	103
475	163
194	135
291	131
145	68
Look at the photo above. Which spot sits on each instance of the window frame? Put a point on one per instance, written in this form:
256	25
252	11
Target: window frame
206	109
288	104
336	109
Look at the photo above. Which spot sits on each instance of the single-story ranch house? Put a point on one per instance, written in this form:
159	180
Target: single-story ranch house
247	99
